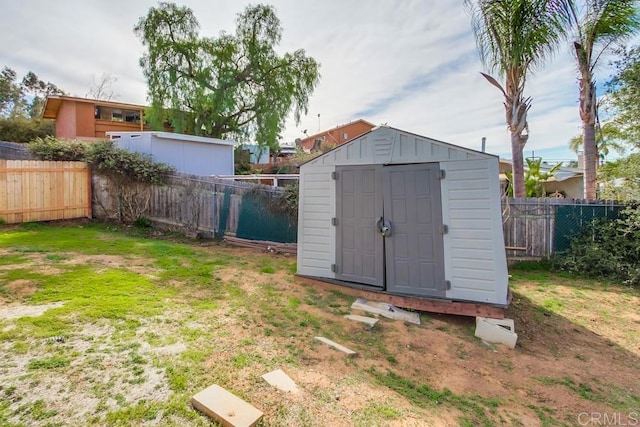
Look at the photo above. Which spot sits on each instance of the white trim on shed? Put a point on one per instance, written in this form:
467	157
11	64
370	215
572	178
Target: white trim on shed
475	265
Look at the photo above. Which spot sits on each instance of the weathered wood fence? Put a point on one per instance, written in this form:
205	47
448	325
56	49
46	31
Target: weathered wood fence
33	190
195	204
538	228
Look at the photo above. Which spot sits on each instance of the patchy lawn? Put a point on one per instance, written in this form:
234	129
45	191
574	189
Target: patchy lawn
98	326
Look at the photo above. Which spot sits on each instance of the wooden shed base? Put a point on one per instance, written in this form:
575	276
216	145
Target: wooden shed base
412	302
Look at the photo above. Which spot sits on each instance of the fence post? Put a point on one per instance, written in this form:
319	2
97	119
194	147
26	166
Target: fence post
547	231
214	215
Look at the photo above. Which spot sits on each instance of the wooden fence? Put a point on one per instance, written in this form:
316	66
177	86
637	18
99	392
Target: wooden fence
33	190
41	191
187	203
539	228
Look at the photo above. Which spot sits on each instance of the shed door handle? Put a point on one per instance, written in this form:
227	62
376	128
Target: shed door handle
384	227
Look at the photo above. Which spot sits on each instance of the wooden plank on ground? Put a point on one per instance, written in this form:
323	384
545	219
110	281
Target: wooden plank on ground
225	407
415	303
337	346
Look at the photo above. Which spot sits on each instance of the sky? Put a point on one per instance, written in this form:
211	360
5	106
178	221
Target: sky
410	64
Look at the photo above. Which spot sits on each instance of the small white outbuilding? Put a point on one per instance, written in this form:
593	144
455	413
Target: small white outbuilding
404	214
189	154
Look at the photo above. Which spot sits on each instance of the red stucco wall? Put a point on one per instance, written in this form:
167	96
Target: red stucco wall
85	121
66	120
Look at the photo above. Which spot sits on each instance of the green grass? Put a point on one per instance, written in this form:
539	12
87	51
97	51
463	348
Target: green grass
54	362
474	408
615	396
229	331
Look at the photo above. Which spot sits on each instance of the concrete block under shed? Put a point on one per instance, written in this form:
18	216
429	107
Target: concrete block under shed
387	310
225	407
501	331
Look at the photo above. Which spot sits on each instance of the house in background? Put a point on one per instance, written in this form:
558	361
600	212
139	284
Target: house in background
82	118
566	182
336	136
194	155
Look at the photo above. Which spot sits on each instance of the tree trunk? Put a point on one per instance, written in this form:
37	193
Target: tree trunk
588	111
517	164
590	159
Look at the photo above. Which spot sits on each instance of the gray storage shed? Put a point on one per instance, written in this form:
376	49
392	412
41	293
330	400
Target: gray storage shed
397	212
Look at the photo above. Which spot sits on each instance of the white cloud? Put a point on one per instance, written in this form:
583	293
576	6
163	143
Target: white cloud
411	64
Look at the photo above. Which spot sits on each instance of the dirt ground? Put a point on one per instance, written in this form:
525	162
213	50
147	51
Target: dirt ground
561	372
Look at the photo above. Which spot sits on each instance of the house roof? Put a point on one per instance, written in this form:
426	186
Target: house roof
53	102
561	174
344	125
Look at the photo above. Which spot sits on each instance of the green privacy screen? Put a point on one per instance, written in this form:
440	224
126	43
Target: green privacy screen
571	219
262	218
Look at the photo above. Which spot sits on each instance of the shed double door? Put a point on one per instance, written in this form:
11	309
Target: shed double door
389	223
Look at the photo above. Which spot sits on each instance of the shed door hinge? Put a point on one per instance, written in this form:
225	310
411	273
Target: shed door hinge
334	175
334	268
334	221
443	174
447	285
444	229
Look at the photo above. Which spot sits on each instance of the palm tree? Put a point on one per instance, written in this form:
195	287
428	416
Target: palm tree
608	137
514	37
597	26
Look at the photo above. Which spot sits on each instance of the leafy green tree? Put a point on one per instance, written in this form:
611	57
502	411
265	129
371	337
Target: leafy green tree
608	137
21	129
597	25
234	86
38	90
11	95
514	37
621	179
623	95
21	104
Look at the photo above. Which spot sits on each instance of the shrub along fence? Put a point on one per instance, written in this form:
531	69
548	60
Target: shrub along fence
539	228
208	207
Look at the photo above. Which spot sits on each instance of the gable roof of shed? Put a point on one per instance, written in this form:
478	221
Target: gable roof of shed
388	145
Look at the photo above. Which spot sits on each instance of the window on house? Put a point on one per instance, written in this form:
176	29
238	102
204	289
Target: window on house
344	135
116	115
103	113
131	116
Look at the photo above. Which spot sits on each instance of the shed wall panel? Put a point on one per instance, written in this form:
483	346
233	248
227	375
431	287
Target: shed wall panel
316	235
475	260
